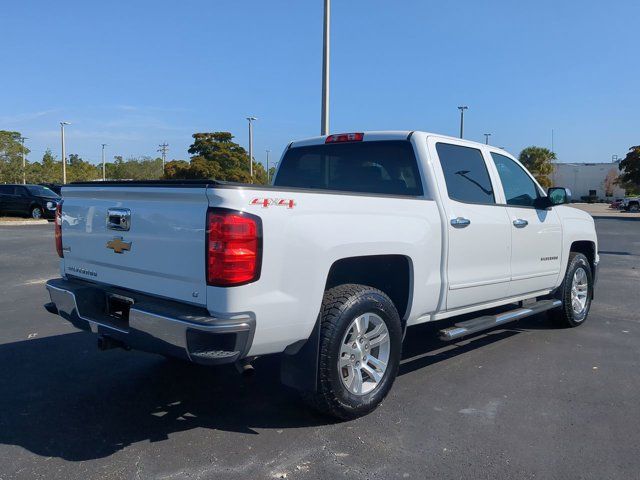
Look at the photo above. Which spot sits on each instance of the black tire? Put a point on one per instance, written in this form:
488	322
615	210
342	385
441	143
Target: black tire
565	315
34	213
634	207
340	306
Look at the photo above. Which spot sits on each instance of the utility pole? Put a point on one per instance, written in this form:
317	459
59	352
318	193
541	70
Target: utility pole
251	120
164	148
552	140
268	166
24	162
64	155
486	138
104	169
462	109
324	121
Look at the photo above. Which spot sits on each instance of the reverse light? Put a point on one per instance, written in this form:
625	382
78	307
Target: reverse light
345	137
234	247
58	229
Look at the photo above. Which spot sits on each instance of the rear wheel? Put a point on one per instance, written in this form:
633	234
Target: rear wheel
360	346
36	212
575	292
634	207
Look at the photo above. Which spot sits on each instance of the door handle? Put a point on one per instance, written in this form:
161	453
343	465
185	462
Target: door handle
520	223
460	222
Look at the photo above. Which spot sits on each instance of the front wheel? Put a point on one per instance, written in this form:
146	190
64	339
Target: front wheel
360	347
576	292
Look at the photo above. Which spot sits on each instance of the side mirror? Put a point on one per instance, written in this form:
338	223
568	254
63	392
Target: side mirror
558	195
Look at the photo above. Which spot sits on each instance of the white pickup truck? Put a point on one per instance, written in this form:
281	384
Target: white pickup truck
361	236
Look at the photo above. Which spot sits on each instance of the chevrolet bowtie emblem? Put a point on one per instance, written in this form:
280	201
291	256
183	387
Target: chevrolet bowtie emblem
118	246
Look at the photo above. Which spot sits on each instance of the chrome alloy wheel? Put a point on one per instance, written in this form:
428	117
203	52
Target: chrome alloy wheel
579	291
364	354
36	213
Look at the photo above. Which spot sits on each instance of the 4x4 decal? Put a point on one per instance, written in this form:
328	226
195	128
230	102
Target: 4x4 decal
274	202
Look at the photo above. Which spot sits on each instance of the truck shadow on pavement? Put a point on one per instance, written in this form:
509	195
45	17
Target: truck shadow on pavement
62	398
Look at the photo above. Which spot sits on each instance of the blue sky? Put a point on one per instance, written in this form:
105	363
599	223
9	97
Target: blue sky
136	73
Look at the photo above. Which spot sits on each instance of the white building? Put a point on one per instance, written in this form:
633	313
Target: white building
588	179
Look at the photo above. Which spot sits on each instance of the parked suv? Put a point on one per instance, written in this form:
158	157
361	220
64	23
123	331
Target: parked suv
35	201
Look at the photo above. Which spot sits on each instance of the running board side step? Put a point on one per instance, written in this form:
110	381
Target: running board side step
475	325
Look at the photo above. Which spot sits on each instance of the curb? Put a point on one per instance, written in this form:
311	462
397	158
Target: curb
16	223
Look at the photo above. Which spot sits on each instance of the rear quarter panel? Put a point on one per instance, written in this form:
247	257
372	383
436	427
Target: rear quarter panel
300	244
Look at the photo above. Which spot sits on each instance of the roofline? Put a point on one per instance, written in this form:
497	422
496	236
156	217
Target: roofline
382	135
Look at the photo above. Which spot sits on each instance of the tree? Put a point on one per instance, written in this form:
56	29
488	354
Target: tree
630	168
134	168
216	156
79	170
538	161
11	157
610	181
50	170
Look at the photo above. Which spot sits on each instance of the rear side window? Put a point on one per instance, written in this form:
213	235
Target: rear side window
465	173
7	189
385	167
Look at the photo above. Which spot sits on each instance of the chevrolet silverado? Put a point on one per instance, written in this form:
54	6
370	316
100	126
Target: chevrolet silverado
359	237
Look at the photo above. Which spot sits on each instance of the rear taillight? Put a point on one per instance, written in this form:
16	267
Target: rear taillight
234	247
58	229
345	137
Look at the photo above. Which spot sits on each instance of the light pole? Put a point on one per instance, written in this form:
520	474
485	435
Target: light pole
24	161
64	155
486	138
251	120
324	122
104	170
462	109
268	165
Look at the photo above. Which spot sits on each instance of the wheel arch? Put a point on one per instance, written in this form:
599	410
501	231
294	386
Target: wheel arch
587	248
392	274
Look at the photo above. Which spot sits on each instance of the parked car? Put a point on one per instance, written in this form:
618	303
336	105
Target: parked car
616	203
34	201
361	236
56	187
631	204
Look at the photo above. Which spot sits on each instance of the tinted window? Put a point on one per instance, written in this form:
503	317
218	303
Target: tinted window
386	167
41	191
518	187
465	173
7	189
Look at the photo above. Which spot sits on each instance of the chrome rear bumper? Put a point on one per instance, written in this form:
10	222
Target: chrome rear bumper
153	324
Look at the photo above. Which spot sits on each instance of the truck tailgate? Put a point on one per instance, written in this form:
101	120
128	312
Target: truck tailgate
162	252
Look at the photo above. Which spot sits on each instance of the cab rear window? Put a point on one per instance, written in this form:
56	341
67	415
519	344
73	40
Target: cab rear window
383	167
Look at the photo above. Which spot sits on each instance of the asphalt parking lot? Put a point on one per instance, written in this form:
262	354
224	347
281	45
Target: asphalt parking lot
530	401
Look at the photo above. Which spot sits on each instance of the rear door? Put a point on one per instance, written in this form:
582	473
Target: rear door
150	239
536	234
479	236
22	200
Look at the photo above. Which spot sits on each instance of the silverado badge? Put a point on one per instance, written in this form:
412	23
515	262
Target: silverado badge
118	246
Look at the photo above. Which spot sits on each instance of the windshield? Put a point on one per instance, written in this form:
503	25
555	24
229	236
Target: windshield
384	167
40	191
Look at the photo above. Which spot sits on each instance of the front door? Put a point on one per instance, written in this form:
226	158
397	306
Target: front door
478	267
536	234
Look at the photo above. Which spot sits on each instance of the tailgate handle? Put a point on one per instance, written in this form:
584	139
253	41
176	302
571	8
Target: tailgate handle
119	219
